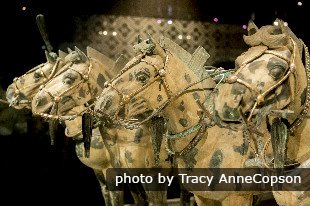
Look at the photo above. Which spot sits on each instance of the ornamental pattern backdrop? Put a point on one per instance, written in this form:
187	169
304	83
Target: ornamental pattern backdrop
113	35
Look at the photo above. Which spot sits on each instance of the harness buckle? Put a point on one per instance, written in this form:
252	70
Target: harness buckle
232	79
162	72
56	99
260	99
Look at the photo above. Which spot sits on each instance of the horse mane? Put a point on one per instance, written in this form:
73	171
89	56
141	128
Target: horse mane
120	63
62	55
174	48
194	61
103	59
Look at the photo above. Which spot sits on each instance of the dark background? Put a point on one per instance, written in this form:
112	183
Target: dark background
23	43
34	172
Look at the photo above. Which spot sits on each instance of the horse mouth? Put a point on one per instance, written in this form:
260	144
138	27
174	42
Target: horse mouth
18	101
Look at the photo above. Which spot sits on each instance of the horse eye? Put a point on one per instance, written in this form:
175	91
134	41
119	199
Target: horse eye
277	71
142	76
68	80
37	75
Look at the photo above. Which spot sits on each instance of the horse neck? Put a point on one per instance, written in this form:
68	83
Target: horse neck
99	75
182	112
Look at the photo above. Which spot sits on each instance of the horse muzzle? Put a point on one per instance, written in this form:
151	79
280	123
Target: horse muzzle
41	102
17	99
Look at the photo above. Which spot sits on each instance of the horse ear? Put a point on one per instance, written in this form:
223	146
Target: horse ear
150	39
139	40
278	27
49	57
82	55
252	28
62	54
286	30
69	50
158	49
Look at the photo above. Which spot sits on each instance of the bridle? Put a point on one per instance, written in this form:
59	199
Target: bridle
260	96
46	78
125	98
56	98
160	76
161	72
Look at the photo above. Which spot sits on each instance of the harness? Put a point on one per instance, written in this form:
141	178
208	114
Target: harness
260	96
46	78
57	97
161	72
55	116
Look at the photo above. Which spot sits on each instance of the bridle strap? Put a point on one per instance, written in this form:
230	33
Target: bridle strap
125	98
260	98
305	110
135	124
36	84
57	98
202	126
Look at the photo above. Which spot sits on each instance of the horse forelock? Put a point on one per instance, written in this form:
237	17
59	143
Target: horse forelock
270	36
251	54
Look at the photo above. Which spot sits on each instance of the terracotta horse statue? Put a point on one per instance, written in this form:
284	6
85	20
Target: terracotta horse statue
80	84
12	121
272	84
20	93
183	96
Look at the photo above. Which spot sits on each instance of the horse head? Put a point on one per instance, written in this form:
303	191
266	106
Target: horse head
151	84
77	83
269	75
20	93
